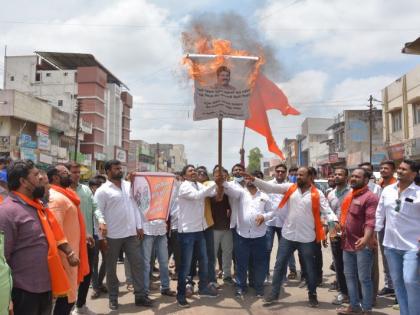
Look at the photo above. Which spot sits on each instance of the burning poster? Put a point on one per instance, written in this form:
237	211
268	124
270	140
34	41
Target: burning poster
153	193
222	85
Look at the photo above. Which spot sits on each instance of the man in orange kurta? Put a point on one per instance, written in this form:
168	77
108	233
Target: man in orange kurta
64	203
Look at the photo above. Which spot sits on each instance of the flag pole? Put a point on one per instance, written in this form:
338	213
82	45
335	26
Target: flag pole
242	150
220	139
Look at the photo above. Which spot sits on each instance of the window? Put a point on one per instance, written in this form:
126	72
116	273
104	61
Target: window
48	74
60	102
396	121
12	78
37	76
66	74
416	113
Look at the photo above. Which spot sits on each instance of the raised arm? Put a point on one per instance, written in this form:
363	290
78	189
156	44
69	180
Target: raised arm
188	192
271	188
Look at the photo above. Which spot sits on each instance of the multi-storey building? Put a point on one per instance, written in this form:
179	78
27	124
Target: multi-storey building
401	116
69	81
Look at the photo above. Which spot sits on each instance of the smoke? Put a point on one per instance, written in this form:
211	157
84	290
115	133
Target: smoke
236	29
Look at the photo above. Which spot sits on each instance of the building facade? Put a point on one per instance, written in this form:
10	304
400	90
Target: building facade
401	116
72	82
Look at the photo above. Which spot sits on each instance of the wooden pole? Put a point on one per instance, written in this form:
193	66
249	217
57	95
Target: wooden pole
220	141
242	150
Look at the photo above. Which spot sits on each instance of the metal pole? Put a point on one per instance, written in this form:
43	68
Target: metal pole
76	145
370	127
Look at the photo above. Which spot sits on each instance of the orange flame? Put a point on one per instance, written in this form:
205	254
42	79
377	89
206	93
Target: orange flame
219	47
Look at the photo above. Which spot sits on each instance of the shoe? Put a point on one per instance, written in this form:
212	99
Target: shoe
228	280
84	310
183	303
214	286
208	293
95	294
259	295
189	290
292	275
386	292
313	300
239	293
340	299
168	292
113	305
396	307
345	310
144	301
271	299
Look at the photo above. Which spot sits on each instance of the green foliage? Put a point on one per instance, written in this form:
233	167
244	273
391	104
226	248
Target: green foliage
254	160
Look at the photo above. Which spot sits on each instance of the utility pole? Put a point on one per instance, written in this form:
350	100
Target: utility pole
76	145
370	126
157	157
4	65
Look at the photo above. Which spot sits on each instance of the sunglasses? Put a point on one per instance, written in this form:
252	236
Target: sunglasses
398	205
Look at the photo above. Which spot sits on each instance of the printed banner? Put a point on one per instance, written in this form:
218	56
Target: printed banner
224	91
153	193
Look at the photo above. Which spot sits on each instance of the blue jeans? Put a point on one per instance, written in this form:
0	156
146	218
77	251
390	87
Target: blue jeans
246	246
160	244
285	250
271	231
358	266
186	245
404	267
211	257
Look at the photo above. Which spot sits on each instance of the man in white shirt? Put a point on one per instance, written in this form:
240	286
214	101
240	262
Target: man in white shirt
302	228
120	222
191	226
399	205
254	211
275	225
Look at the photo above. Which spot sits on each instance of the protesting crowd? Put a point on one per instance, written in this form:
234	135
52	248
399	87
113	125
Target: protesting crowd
59	237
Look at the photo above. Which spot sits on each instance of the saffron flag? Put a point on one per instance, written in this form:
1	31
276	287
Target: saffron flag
152	193
266	95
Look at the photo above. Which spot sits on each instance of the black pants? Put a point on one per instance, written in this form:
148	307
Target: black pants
28	303
337	252
173	248
84	286
62	306
319	262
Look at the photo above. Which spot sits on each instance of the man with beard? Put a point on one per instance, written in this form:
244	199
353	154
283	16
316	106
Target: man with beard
65	204
120	223
302	229
335	198
357	221
387	170
399	205
32	236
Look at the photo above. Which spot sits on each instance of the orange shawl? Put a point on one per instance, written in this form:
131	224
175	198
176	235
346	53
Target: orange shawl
83	256
54	234
315	199
391	181
345	206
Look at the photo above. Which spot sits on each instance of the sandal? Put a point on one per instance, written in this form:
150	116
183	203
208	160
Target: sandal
130	287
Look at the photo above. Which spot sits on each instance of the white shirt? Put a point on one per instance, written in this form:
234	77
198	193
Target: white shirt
235	203
175	207
375	188
191	197
118	210
279	216
251	207
299	225
402	229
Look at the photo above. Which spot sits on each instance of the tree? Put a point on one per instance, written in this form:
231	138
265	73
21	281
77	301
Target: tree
254	160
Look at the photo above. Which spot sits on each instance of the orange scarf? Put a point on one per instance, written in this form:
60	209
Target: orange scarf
60	284
391	181
83	256
345	206
315	199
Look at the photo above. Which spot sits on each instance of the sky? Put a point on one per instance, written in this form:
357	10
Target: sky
327	56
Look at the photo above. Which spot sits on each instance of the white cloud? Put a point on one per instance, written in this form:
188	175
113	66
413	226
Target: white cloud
355	32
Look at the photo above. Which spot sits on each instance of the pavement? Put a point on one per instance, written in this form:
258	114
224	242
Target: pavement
292	301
